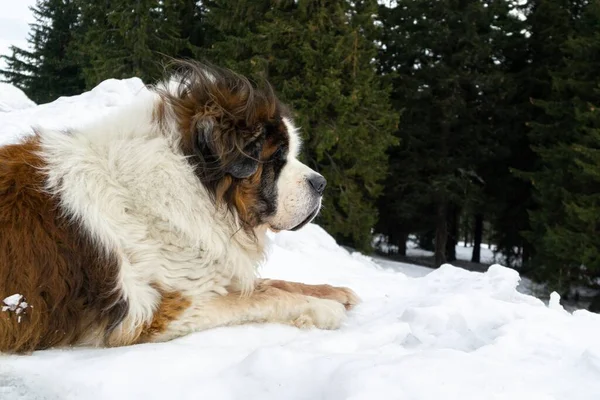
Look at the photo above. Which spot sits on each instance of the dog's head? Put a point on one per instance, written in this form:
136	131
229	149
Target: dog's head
243	145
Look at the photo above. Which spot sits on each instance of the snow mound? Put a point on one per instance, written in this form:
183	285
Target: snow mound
420	335
12	98
67	112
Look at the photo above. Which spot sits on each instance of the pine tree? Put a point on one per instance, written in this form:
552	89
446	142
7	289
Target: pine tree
565	137
192	28
582	207
49	69
506	198
125	38
442	57
320	57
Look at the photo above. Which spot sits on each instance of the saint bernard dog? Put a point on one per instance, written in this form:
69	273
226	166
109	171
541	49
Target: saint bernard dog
150	223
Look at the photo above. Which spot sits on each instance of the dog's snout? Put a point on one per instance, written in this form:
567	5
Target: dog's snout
318	183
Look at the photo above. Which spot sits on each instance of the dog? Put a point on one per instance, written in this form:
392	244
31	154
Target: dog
150	223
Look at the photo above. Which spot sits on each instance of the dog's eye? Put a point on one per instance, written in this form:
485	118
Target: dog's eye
279	154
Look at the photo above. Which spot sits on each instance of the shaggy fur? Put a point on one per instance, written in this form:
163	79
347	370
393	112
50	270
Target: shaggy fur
149	224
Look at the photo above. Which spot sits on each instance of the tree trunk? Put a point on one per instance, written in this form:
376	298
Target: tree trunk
451	241
478	236
465	223
441	233
402	238
425	240
525	256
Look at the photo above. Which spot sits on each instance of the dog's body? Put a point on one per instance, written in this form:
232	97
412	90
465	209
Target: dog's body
150	224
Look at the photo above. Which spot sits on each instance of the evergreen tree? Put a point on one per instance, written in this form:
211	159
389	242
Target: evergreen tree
506	198
565	137
443	60
49	69
320	57
125	38
192	28
582	207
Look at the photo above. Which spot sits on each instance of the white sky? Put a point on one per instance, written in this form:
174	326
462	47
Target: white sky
14	19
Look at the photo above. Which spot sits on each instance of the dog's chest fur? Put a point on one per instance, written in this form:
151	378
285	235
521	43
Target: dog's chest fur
138	196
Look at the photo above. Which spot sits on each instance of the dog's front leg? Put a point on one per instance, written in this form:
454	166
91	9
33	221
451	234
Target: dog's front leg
266	304
342	295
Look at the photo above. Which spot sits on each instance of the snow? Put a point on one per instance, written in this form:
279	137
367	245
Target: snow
16	304
419	333
410	270
12	302
463	252
13	98
69	112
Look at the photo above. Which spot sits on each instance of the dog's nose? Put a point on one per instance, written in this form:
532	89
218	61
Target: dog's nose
318	182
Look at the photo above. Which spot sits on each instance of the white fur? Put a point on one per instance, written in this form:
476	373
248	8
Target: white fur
126	181
273	305
295	198
295	142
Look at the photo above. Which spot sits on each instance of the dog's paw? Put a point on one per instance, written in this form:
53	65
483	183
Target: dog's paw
343	295
321	313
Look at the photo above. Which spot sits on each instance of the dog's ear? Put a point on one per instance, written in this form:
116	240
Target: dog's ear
246	163
225	149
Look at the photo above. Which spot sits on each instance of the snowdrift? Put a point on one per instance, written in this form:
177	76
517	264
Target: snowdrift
65	112
13	98
419	334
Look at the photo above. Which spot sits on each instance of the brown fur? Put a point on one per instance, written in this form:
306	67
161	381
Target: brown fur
340	294
235	107
172	305
237	112
66	281
245	195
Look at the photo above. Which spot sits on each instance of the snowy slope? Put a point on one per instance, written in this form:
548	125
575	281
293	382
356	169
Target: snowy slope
462	252
444	334
66	112
13	98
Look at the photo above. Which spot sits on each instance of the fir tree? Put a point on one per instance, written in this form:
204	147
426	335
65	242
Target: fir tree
506	198
320	57
443	60
49	69
125	38
192	27
565	137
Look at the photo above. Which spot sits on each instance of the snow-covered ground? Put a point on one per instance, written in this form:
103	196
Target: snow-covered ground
65	112
419	333
463	252
13	98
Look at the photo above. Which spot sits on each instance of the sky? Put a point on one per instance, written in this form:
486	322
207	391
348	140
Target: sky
14	20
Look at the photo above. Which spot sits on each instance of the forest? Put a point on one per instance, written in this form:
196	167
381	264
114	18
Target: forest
435	120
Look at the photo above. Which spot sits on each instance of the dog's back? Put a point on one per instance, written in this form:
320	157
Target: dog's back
56	282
